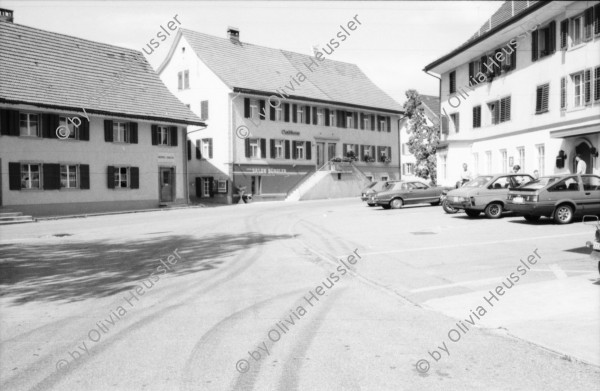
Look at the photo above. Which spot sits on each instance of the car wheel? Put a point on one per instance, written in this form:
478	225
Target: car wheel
532	219
447	208
385	206
371	205
472	213
396	203
493	210
436	203
563	214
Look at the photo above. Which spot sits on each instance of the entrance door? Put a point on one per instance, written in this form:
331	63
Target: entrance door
583	149
166	183
320	154
330	151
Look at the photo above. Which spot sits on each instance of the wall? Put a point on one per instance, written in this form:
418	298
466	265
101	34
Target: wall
350	185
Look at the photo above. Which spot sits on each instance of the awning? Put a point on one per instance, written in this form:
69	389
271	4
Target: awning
577	131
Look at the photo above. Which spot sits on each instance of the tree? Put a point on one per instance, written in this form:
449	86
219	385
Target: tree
423	139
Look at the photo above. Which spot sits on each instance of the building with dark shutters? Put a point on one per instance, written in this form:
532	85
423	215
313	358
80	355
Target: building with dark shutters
276	117
93	130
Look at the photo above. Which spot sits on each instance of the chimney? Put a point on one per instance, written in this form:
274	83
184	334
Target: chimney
233	33
6	15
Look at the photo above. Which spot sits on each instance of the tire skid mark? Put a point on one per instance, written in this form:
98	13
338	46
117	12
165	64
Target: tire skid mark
213	336
118	336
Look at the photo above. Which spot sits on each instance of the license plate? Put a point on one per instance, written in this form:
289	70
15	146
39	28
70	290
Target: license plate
456	199
518	200
596	246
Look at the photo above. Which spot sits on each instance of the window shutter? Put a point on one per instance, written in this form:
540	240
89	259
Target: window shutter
4	126
133	133
294	154
189	149
563	92
452	81
597	19
204	110
551	45
263	148
314	115
344	150
173	130
49	124
534	45
355	120
210	148
198	150
179	80
247	142
110	178
344	115
198	187
389	153
545	96
307	112
362	121
294	113
308	150
327	117
286	114
471	71
84	130
587	84
14	176
226	186
373	122
246	107
361	157
154	131
356	147
379	123
538	99
84	176
272	142
135	177
482	67
597	81
513	57
389	124
564	33
108	131
211	186
588	23
287	149
272	112
262	109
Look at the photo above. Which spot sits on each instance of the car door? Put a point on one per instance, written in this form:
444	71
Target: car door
498	189
591	194
567	189
426	192
409	193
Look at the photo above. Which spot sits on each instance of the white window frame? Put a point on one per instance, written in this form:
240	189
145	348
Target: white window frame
574	86
573	31
504	160
383	124
320	117
476	163
164	136
279	149
27	172
28	124
73	130
521	153
488	162
299	150
121	132
255	148
350	121
122	177
205	188
68	170
205	148
300	115
366	122
278	114
541	158
332	118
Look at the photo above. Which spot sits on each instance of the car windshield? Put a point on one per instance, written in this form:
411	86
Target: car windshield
478	182
371	185
539	183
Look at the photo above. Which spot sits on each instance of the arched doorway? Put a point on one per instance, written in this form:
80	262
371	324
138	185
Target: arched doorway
583	149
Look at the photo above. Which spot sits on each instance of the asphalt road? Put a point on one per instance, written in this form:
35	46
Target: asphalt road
322	295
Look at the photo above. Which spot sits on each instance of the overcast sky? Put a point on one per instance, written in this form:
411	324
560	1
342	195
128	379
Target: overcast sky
392	45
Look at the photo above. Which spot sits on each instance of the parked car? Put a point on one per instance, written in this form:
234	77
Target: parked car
370	190
594	245
397	194
485	193
561	197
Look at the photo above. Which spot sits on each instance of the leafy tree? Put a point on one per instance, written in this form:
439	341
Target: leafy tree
422	139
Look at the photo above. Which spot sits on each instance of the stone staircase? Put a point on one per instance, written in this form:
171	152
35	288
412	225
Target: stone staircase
8	217
306	185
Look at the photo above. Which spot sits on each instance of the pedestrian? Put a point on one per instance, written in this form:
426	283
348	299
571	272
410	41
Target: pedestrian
466	174
516	169
581	165
536	174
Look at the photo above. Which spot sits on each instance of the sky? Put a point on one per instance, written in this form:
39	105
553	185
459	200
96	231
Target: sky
392	45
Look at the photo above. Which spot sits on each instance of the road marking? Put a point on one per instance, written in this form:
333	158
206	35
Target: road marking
405	250
558	272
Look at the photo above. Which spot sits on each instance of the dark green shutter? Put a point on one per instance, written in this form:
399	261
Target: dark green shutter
50	123
389	124
552	41
287	149
198	150
246	107
355	120
513	57
84	130
272	148
314	115
534	45
14	176
110	177
307	108
135	177
173	130
362	153
263	148
154	134
327	117
198	187
372	121
51	176
247	144
597	19
294	113
189	149
471	69
294	154
108	131
133	133
211	188
286	114
210	148
588	21
272	112
308	150
564	33
84	176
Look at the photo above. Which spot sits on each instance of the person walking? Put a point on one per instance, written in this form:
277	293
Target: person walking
581	165
466	174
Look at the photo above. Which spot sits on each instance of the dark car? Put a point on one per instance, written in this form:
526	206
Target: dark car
561	197
486	193
398	194
371	189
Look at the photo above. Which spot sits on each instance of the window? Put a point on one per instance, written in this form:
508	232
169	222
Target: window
30	176
444	166
366	124
278	114
320	117
180	80
121	177
541	98
477	117
384	178
253	110
163	135
488	161
204	110
221	186
206	187
279	149
476	163
577	81
452	81
408	169
541	159
120	132
577	30
206	148
73	130
299	150
503	160
69	177
590	182
255	148
29	124
349	121
383	125
521	151
500	183
301	117
567	184
404	149
475	67
500	110
186	79
256	185
370	178
332	121
455	121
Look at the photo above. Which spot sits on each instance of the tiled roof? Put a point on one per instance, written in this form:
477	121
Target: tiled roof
432	104
53	70
252	67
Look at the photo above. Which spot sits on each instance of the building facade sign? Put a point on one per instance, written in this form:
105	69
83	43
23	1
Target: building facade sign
290	132
166	158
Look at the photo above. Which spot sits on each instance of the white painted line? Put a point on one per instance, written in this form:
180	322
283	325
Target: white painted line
406	250
558	272
464	283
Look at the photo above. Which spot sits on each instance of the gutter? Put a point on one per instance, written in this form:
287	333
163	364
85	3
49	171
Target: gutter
489	33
